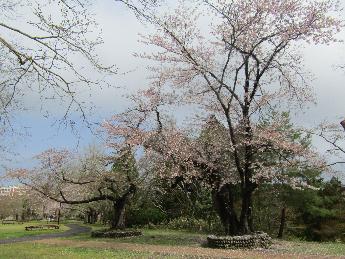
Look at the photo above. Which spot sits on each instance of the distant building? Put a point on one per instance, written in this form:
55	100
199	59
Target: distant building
10	190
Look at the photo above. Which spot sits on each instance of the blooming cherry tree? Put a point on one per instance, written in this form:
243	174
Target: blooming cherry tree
70	179
234	62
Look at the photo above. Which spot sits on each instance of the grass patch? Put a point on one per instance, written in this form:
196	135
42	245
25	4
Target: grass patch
135	247
32	250
164	237
153	237
183	238
311	248
18	230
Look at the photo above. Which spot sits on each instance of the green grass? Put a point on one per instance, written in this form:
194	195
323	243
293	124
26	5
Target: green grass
150	237
18	230
153	237
28	251
183	238
314	248
33	250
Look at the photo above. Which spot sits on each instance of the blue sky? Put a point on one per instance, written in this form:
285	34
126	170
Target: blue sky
120	34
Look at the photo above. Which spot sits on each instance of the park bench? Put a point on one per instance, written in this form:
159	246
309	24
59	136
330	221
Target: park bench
52	226
8	221
40	227
33	227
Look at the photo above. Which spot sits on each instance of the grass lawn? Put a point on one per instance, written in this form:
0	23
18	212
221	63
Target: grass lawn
62	248
182	238
314	248
18	230
34	250
159	243
154	237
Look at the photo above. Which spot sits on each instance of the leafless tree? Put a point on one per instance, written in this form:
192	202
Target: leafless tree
47	47
334	138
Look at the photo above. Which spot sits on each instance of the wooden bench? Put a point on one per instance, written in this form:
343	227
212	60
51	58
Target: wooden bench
40	227
51	226
8	221
33	227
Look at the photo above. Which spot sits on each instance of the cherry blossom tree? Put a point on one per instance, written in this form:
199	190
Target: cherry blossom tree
234	63
69	179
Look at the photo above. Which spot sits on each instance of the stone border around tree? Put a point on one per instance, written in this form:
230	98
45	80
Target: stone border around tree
255	240
116	233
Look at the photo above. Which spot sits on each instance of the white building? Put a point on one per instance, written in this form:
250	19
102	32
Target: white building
10	190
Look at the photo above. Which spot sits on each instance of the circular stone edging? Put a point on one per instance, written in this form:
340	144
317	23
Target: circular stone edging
255	240
116	233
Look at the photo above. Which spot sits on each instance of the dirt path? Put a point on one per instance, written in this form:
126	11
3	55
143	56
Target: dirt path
178	251
74	230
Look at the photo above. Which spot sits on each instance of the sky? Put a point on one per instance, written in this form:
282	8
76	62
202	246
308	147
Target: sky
120	32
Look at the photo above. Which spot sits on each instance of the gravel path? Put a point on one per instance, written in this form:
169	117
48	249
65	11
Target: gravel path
74	229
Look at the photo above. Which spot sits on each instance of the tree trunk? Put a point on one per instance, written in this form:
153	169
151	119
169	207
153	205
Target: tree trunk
95	216
58	216
118	221
89	218
250	218
119	204
282	223
224	205
246	223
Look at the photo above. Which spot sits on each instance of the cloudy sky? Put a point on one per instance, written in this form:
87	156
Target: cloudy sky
120	30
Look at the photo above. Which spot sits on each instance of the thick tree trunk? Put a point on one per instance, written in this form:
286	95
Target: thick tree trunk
224	205
119	204
118	221
245	214
246	173
246	221
282	223
223	201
